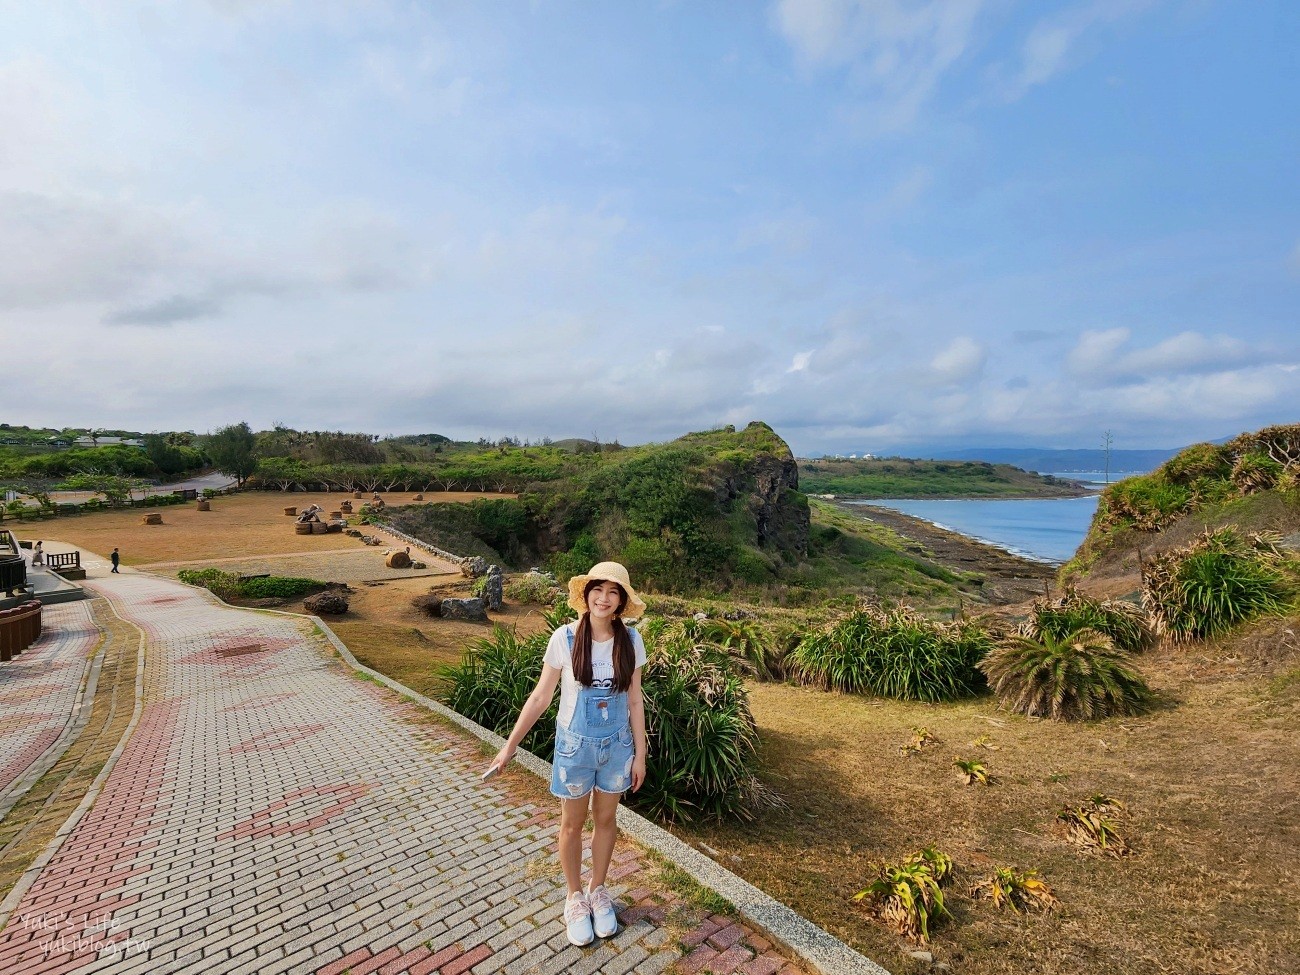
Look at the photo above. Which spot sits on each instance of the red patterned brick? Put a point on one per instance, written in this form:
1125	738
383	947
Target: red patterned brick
379	961
726	937
696	960
762	965
467	961
434	962
406	961
730	960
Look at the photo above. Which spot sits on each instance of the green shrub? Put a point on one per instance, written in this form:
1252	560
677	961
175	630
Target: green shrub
1147	503
1128	627
701	736
1255	472
703	742
493	680
535	587
1079	676
280	587
908	896
222	584
1197	463
1218	581
228	585
898	654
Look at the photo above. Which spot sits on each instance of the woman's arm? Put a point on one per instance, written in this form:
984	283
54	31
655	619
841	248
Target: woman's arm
538	701
636	714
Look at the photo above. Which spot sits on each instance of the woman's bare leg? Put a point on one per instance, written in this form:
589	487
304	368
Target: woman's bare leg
604	812
573	816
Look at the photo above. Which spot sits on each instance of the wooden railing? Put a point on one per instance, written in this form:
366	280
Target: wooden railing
63	560
20	627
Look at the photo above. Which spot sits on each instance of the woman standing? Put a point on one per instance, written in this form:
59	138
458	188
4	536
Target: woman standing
600	743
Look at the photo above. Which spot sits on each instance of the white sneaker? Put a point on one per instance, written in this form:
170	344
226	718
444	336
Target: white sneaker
602	912
577	919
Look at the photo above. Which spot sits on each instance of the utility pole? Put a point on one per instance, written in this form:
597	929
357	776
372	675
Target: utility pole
1107	440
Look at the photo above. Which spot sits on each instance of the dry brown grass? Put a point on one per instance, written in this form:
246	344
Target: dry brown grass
386	633
1208	780
251	523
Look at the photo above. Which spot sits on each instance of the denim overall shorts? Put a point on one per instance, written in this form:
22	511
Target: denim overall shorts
597	749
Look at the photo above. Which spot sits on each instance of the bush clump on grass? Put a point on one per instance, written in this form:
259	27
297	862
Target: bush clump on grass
224	585
896	653
228	585
701	736
1218	581
1128	627
1079	676
533	588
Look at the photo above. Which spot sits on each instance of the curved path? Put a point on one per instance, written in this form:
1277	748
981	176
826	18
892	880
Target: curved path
271	812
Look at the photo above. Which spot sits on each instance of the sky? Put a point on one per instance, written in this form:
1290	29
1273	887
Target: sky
877	225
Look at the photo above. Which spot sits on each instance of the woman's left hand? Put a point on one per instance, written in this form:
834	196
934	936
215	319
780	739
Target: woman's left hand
638	772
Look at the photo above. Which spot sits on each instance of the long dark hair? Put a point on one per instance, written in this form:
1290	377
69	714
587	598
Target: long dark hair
624	653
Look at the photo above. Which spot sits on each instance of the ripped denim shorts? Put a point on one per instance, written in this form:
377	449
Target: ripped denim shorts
596	749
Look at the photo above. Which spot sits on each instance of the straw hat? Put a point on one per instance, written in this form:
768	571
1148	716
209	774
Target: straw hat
606	572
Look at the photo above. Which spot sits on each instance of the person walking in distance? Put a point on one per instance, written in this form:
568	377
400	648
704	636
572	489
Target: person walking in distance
116	559
38	554
600	740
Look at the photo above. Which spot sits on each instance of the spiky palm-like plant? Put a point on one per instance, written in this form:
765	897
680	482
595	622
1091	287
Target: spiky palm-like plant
1127	625
1080	676
1252	473
1218	581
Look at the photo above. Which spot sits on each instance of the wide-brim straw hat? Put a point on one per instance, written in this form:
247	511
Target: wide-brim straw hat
606	572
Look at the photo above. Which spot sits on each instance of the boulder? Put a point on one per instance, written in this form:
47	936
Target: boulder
328	603
291	511
493	588
417	564
418	497
473	567
205	506
464	609
152	519
398	560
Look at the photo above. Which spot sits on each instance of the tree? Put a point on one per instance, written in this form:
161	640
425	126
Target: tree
231	450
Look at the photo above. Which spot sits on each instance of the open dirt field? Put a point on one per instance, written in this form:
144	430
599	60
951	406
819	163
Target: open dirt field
251	523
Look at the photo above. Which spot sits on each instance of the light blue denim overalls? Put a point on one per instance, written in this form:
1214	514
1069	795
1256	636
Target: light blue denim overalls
597	748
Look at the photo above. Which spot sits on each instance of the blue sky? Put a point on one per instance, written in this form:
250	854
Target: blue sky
878	225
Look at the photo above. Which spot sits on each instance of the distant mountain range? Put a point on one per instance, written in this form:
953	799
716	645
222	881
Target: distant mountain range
1046	461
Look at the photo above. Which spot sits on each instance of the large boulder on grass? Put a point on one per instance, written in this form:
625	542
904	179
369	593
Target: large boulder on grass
471	610
326	604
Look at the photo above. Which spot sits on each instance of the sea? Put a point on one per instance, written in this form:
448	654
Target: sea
1043	529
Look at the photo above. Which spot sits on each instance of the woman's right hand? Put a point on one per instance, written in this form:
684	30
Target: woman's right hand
503	757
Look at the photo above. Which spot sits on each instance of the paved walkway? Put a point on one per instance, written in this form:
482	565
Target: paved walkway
270	812
40	689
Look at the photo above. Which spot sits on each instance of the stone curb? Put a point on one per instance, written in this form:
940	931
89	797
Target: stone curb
824	952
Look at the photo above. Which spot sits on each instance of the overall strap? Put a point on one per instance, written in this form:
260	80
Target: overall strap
568	635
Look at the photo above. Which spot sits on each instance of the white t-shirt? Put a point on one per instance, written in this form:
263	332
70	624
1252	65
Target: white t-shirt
559	656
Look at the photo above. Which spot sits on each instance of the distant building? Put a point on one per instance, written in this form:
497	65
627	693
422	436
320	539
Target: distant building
107	442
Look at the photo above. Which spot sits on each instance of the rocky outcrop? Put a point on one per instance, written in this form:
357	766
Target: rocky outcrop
471	610
326	603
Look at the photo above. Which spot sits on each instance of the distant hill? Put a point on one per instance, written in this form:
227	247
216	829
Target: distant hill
1046	460
896	477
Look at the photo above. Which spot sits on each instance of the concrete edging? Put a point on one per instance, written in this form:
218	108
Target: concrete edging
809	943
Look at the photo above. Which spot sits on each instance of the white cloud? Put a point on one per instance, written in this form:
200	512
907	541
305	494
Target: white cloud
960	362
1052	44
800	361
896	51
1103	357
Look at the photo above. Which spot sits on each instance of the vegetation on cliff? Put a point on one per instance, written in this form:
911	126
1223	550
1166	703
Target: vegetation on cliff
898	477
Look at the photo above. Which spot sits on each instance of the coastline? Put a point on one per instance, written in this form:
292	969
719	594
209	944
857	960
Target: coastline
1008	578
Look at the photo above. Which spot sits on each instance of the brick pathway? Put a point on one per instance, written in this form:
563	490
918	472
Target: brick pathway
39	689
272	813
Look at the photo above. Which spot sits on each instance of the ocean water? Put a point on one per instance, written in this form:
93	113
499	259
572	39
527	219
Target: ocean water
1046	529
